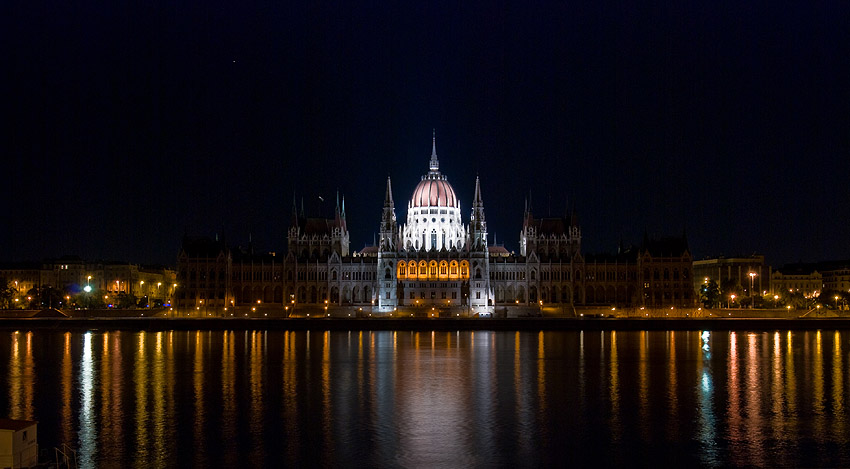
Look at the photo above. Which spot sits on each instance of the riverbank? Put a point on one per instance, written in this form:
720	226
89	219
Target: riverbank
520	324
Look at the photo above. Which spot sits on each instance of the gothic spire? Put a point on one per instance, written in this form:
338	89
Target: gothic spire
293	221
388	196
476	200
477	224
435	164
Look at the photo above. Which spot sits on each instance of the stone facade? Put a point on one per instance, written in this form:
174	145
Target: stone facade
432	265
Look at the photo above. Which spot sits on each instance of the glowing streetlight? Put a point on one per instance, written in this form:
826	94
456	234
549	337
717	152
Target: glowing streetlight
752	280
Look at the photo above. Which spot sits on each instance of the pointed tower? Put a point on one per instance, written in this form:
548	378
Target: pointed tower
389	226
477	221
435	164
339	231
344	224
294	225
386	294
293	220
528	235
480	292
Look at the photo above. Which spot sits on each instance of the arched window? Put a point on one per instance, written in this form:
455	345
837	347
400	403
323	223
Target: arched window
387	274
333	275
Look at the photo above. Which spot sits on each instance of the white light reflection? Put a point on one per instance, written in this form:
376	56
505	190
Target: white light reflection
88	431
707	418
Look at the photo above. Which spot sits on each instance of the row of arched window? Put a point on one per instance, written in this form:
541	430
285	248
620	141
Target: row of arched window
657	275
433	270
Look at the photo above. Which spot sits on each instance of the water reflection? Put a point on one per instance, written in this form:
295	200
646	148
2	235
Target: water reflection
65	396
391	398
199	441
141	386
88	431
707	420
21	376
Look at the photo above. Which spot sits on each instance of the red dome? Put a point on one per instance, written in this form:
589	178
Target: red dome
434	193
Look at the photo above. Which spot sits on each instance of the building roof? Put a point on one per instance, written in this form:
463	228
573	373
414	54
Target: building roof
498	251
202	246
806	268
797	269
628	256
669	246
368	250
16	425
23	265
434	191
322	226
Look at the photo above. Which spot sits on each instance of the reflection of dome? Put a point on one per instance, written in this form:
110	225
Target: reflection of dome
433	192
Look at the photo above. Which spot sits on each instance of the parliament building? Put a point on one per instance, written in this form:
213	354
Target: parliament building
434	264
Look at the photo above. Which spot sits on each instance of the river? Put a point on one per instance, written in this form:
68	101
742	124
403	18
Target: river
432	398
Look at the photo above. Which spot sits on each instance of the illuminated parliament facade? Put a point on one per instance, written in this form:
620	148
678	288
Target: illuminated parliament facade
433	264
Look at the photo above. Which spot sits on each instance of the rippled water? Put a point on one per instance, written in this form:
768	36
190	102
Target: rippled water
433	399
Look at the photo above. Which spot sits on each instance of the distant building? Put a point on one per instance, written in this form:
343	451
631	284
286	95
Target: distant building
797	278
71	274
665	267
836	275
811	279
432	264
735	271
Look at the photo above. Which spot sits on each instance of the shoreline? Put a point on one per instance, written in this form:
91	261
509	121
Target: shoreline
413	324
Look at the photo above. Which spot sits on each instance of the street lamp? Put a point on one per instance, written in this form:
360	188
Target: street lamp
87	289
752	298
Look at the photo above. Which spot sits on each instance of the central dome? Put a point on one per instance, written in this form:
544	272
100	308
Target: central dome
433	214
434	191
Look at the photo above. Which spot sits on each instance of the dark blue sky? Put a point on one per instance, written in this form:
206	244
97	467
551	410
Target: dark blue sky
129	124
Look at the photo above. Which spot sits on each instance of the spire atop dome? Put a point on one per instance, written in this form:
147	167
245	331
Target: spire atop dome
435	164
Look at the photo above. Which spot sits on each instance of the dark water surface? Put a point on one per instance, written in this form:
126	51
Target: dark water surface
433	399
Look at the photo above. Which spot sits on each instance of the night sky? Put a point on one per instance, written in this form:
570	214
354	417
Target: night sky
129	124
